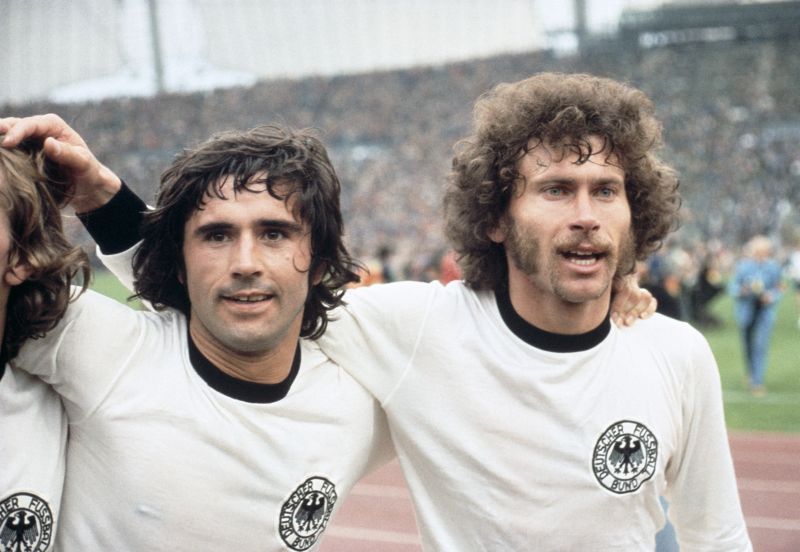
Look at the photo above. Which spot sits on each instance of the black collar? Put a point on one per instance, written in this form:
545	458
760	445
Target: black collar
3	359
548	341
243	390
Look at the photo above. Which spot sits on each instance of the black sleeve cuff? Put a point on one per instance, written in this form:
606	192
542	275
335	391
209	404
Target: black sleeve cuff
115	225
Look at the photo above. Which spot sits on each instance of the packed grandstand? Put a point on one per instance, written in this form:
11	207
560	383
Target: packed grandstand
730	105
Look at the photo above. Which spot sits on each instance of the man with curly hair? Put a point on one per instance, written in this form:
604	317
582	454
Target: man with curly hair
38	265
215	422
523	418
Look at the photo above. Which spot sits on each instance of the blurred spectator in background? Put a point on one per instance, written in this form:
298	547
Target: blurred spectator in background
793	272
756	287
385	257
707	286
651	277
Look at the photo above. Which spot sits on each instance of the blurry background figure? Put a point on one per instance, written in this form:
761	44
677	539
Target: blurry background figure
707	283
666	274
651	275
793	273
756	287
385	258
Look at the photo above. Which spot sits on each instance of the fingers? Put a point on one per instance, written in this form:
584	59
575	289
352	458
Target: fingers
7	122
632	305
94	184
39	127
74	159
650	309
60	143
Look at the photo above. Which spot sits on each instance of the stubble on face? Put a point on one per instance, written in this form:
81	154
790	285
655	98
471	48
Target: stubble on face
525	251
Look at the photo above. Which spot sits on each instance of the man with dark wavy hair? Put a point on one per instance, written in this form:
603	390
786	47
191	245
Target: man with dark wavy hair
214	422
38	265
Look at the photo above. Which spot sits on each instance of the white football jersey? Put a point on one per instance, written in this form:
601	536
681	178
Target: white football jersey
33	436
512	438
167	452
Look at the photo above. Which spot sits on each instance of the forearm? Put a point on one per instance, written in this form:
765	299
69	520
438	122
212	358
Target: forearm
115	225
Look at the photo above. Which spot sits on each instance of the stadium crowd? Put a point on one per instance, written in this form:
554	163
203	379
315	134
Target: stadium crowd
730	111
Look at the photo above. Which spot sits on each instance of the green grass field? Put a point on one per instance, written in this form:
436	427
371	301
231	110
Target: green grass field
778	411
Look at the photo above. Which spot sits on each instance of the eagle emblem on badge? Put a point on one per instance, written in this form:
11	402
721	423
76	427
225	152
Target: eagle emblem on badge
26	523
306	512
625	456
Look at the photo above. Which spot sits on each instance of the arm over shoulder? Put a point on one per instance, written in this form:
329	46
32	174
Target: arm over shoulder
375	334
81	357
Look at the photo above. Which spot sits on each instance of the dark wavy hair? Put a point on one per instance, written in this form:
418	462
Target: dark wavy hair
32	192
296	158
562	110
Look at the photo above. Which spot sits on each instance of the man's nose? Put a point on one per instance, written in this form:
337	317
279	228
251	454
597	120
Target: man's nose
585	214
244	260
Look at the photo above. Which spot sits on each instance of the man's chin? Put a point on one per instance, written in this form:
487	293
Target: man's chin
583	292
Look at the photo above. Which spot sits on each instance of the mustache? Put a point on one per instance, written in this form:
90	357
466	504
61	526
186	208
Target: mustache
250	285
580	239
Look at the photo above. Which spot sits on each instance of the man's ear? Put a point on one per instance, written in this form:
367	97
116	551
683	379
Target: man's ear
319	272
499	233
17	273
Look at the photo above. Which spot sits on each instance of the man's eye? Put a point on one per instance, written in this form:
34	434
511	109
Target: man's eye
274	235
216	236
555	192
607	192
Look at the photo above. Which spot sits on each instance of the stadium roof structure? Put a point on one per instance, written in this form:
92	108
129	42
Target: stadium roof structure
708	22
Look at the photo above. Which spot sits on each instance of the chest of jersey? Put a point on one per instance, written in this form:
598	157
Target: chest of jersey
536	440
193	469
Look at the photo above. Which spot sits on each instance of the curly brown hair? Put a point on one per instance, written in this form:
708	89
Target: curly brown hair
296	158
32	192
564	110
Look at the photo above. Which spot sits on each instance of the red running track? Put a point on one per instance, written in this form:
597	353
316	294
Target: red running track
378	516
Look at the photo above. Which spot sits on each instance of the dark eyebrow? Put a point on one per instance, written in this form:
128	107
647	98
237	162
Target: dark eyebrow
272	224
211	227
280	224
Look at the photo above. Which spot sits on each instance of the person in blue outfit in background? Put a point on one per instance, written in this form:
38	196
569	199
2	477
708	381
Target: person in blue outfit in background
757	287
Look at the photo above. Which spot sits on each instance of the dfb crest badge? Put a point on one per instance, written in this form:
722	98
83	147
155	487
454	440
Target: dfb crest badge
625	456
306	512
26	523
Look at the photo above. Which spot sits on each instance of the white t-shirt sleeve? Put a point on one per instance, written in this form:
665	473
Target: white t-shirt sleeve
375	335
83	355
704	501
120	265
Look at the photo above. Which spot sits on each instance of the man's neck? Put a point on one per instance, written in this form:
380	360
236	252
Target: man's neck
553	314
268	367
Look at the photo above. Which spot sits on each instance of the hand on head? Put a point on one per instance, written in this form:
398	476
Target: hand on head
94	183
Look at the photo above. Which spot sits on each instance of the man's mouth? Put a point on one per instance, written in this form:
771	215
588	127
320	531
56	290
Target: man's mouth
252	298
583	258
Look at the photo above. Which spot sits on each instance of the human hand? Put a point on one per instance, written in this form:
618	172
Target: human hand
94	184
630	302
